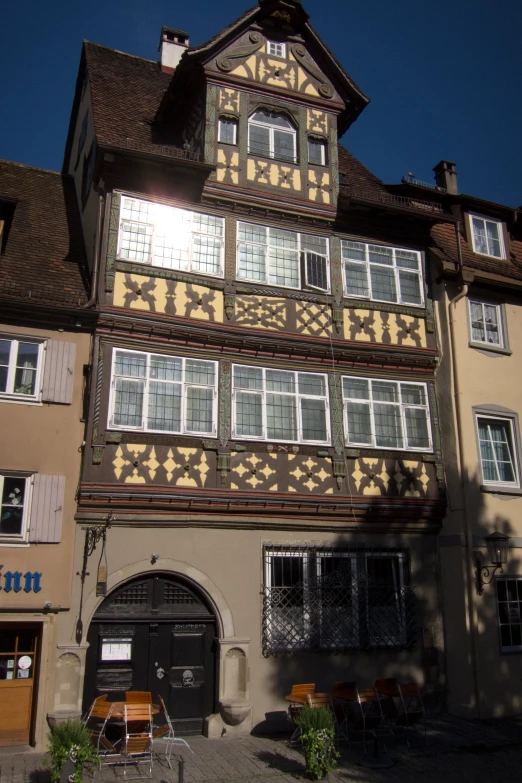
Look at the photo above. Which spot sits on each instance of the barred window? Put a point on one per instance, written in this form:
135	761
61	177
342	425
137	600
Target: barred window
159	393
280	405
170	237
384	274
386	414
333	600
283	258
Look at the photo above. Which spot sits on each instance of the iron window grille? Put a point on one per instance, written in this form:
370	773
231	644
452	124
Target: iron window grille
386	414
334	601
158	393
272	135
280	405
487	237
282	258
20	368
170	237
382	274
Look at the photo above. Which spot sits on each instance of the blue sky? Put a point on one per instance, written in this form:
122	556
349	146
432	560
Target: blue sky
443	78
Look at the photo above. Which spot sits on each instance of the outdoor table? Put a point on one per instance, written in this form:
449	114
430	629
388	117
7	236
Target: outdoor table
118	709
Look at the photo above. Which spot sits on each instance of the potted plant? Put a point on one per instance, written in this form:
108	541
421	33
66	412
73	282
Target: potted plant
318	738
70	741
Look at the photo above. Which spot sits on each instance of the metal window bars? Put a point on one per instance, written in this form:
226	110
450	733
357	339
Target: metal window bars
332	601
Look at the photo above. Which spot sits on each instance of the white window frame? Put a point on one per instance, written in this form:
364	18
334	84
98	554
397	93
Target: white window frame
151	223
507	578
367	264
402	405
498	308
280	49
301	259
296	395
145	407
510	421
498	224
271	143
10	394
322	145
303	555
221	124
7	539
400	639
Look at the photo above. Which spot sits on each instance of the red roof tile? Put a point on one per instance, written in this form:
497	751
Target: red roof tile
44	256
445	247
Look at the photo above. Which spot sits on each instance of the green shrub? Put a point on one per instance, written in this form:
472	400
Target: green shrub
318	738
70	740
314	719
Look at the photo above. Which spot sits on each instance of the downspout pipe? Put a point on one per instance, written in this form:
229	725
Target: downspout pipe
463	282
96	260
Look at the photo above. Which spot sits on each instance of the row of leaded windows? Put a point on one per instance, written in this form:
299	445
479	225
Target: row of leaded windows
179	239
158	393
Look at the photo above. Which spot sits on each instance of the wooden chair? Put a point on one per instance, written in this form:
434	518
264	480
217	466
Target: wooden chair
344	697
96	724
390	697
138	697
297	697
371	719
165	733
412	711
137	742
97	700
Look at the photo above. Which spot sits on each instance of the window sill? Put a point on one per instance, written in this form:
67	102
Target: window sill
228	143
175	270
287	161
358	302
487	348
9	542
498	489
19	399
486	255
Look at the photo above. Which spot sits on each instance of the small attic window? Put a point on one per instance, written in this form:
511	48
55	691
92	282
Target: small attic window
276	49
342	178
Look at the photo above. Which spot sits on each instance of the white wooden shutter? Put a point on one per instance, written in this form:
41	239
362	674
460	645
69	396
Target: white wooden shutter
47	508
58	372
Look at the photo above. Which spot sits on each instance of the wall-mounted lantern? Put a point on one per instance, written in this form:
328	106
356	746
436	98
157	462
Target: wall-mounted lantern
497	544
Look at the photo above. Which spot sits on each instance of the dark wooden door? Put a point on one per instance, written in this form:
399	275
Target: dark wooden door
154	634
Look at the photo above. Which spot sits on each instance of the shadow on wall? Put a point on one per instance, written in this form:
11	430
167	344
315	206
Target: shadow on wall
425	659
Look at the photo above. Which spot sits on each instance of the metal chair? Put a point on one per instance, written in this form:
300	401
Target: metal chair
299	693
390	698
137	742
165	733
412	711
343	695
371	718
96	724
324	700
97	700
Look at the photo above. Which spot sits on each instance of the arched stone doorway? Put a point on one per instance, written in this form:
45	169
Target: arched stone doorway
155	633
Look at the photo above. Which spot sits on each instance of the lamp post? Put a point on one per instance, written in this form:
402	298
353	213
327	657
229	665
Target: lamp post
497	545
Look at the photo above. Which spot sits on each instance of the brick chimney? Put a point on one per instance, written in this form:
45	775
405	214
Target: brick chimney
446	176
172	45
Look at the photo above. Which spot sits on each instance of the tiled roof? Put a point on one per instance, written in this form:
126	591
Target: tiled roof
357	175
445	246
44	257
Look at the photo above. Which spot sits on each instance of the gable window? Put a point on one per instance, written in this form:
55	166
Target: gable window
487	237
383	274
227	130
283	258
509	603
20	367
386	414
276	49
14	493
170	237
272	135
158	393
486	323
334	600
280	405
497	451
317	152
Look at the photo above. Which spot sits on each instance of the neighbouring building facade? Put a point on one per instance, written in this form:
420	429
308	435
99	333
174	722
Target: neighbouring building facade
262	485
44	347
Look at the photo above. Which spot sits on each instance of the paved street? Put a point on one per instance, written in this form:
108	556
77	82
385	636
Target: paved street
458	752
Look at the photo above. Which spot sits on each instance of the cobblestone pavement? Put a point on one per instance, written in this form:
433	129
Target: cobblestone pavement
459	751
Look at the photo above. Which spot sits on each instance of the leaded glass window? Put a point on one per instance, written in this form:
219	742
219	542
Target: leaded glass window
384	274
169	237
280	405
386	414
272	135
160	393
282	258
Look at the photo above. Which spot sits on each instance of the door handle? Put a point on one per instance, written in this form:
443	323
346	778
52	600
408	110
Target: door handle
160	673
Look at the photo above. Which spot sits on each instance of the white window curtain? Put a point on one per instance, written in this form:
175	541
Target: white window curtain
280	405
271	135
20	362
161	393
386	414
385	274
170	237
485	323
487	237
